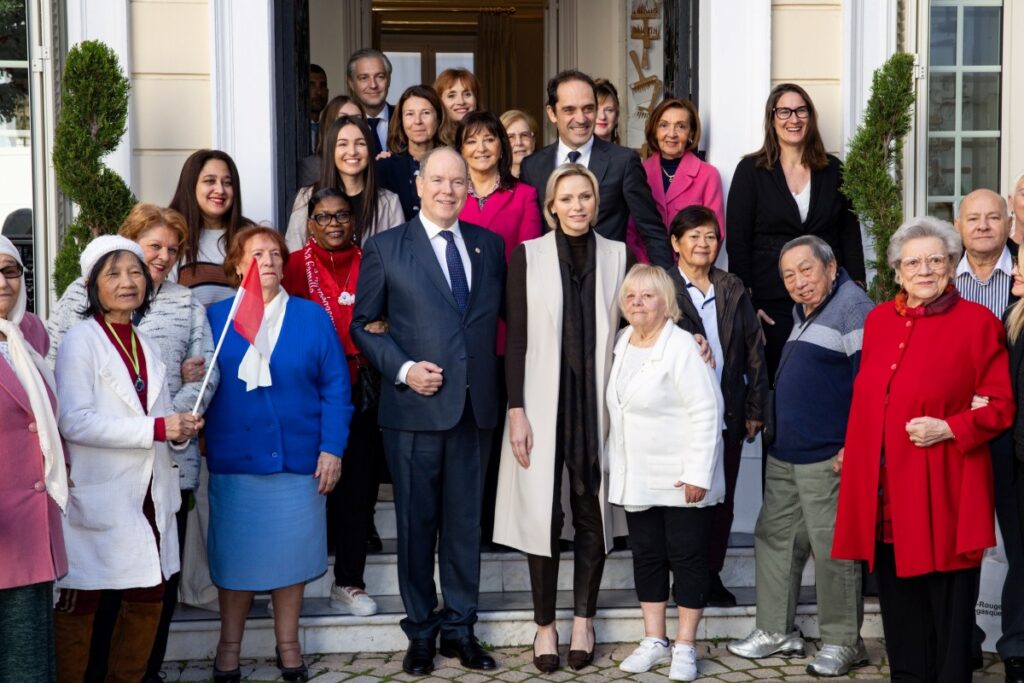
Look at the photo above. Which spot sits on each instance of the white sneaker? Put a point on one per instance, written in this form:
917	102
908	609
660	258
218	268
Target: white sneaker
684	663
353	600
650	653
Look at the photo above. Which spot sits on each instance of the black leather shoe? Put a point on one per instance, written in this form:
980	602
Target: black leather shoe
718	594
1014	668
419	657
468	651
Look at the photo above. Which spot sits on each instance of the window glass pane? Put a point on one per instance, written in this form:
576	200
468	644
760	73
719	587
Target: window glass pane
943	37
454	60
941	159
979	164
982	36
981	101
13	30
943	210
942	101
406	70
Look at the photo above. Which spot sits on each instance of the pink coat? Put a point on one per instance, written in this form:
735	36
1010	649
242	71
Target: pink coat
31	539
514	215
695	182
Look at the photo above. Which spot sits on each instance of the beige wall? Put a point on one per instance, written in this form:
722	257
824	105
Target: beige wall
807	49
171	108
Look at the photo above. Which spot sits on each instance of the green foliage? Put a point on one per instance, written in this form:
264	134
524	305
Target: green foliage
875	155
93	115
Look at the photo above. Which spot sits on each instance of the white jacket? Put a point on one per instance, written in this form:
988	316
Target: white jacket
113	459
667	427
389	214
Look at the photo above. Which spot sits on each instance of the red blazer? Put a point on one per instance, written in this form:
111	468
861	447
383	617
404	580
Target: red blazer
31	539
695	182
941	496
514	215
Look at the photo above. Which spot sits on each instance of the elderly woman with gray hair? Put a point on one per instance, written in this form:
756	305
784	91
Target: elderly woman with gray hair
813	389
916	493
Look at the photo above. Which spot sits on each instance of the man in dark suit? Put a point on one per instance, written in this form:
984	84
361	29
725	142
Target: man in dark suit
369	76
572	107
439	284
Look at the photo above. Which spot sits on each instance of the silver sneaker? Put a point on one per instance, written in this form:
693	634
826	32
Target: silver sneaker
837	660
761	644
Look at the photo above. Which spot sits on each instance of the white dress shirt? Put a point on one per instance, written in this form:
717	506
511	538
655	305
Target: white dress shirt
439	244
562	156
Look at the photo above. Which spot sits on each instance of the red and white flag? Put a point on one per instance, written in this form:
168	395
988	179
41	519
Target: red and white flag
249	319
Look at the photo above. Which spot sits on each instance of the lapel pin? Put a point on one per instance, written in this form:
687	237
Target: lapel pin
477	250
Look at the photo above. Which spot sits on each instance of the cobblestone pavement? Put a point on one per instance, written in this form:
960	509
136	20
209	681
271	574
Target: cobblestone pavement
515	665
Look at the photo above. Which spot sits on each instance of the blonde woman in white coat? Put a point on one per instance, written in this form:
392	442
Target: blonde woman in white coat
664	451
117	421
562	318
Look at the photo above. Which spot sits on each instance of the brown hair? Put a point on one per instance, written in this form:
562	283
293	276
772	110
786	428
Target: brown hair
397	140
651	129
445	80
330	113
366	221
237	249
144	217
813	155
604	89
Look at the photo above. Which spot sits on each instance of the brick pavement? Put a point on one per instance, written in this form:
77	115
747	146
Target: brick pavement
515	665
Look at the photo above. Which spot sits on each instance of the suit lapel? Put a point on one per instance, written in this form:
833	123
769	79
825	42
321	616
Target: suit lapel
422	252
599	159
780	181
492	209
10	383
156	374
683	179
476	260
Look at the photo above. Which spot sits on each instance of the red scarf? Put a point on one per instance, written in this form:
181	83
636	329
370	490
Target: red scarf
332	276
943	303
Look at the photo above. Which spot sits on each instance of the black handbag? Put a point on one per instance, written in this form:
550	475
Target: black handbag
366	388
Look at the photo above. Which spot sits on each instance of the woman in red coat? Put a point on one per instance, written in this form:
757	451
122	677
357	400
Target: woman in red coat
915	499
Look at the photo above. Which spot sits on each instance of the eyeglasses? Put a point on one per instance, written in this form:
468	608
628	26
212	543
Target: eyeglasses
515	137
324	219
12	272
936	262
783	113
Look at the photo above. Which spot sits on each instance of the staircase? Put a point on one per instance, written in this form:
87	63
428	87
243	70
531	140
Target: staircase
505	610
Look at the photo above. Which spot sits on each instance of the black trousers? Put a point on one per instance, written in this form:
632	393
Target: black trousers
588	554
490	493
350	505
438	479
672	539
718	541
928	621
1006	471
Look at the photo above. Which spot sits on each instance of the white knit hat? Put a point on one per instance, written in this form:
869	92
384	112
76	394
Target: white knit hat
103	245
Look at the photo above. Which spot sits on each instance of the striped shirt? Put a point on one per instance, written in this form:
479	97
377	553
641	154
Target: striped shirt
994	293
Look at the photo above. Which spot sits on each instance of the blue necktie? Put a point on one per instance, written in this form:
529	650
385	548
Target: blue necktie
373	122
574	156
456	272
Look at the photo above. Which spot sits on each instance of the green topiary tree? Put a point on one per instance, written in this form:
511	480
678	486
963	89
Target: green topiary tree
875	154
91	123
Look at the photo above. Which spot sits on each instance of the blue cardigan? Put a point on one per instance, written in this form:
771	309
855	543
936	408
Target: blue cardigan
283	427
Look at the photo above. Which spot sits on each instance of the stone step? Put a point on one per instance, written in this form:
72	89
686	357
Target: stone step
505	619
507	572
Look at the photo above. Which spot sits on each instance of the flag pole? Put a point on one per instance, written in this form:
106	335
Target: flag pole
216	351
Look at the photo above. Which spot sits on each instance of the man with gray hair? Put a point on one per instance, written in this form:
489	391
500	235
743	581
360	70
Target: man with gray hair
813	390
985	276
369	76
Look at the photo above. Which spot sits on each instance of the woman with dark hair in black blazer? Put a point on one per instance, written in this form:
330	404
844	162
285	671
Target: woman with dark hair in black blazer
788	188
411	134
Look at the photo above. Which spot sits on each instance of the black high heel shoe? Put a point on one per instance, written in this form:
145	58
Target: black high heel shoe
233	675
300	673
546	664
579	659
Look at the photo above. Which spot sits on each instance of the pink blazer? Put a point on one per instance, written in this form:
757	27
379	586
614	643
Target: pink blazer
514	215
31	540
696	182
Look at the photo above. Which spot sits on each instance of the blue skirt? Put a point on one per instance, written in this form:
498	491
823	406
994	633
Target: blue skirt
266	531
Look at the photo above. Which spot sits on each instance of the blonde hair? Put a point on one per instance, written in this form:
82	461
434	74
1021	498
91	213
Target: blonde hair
567	171
144	217
1015	316
658	279
513	115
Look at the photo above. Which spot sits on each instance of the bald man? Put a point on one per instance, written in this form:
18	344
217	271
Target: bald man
984	276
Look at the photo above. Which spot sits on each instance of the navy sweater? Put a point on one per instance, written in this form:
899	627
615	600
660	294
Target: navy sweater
814	382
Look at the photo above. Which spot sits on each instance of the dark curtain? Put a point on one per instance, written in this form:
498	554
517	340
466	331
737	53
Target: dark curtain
496	61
